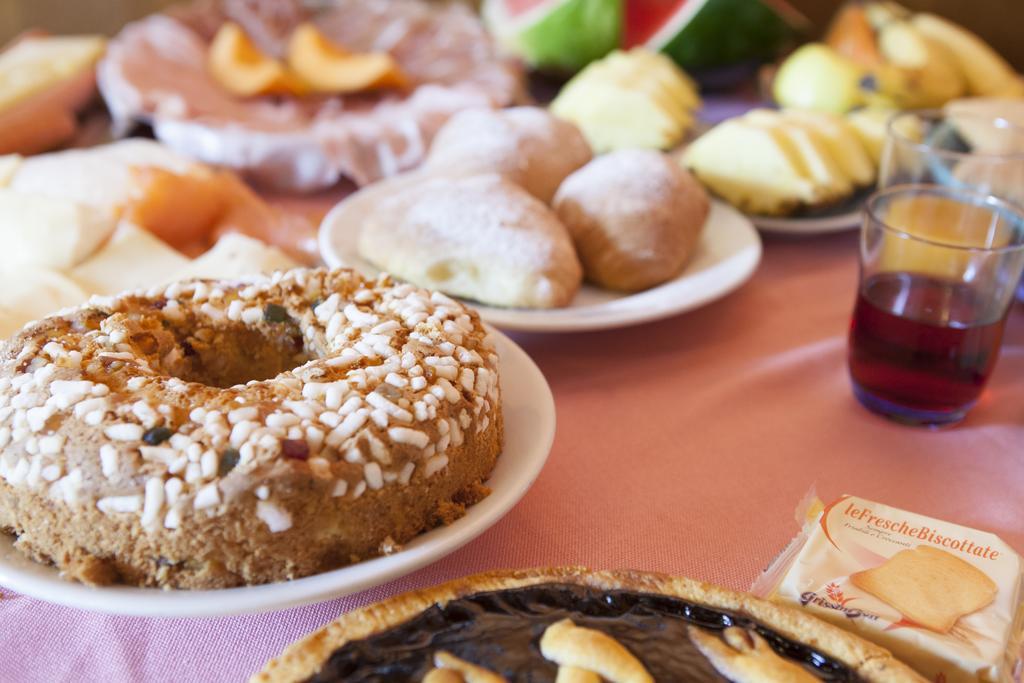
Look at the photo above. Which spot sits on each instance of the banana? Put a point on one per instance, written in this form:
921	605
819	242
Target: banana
919	72
985	71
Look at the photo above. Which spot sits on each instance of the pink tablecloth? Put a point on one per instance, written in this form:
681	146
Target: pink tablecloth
683	446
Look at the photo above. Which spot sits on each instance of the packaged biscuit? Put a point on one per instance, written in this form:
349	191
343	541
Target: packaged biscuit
944	598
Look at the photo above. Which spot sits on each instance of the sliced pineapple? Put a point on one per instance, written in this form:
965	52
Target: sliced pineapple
870	125
752	167
815	157
844	143
629	99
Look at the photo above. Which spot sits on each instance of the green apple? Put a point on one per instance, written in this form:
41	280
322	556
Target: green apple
817	77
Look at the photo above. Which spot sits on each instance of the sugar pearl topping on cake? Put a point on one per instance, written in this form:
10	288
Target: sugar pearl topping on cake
178	402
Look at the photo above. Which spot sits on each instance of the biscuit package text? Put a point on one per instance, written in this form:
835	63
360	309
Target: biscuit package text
944	598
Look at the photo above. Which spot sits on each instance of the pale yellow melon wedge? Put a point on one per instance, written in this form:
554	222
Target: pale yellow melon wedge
643	65
612	117
48	231
131	258
629	99
235	256
28	293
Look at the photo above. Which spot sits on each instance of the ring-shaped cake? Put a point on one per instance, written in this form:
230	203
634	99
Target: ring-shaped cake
210	434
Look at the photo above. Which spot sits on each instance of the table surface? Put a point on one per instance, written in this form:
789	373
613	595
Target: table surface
683	446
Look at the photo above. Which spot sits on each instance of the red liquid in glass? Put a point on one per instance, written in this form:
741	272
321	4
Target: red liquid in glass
922	343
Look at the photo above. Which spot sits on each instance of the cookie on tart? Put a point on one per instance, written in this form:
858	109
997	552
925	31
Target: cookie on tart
576	624
221	433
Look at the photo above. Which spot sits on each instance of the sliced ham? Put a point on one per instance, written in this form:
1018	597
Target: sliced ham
155	71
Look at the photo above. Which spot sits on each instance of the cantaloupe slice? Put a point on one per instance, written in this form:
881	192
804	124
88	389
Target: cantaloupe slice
327	67
243	70
159	208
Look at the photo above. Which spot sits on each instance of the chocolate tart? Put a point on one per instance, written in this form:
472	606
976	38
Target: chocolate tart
572	624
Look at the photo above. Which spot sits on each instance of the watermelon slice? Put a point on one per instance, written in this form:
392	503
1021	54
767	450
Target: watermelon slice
699	34
556	35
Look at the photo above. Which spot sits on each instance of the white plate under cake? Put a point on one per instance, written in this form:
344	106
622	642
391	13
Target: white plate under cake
212	434
528	412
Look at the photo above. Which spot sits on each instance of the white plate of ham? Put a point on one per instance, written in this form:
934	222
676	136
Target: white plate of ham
726	257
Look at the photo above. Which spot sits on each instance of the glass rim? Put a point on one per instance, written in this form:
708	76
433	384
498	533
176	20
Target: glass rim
981	200
998	121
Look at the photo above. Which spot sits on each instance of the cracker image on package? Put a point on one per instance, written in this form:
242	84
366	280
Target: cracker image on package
946	599
929	586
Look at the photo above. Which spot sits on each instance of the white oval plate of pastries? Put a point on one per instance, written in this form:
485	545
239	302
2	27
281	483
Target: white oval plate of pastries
726	256
529	413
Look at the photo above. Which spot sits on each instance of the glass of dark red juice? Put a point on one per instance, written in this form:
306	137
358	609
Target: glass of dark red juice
938	269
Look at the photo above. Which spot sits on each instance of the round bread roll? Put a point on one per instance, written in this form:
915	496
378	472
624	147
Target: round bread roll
527	145
634	216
